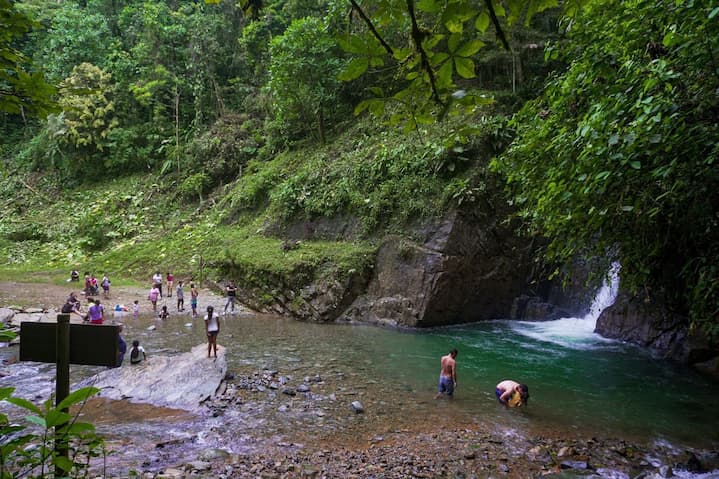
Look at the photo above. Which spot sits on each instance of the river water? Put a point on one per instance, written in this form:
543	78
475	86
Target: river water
580	384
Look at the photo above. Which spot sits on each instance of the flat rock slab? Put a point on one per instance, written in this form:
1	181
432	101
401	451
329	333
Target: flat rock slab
181	381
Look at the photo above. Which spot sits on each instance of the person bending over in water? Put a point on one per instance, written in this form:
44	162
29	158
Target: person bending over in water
511	393
447	374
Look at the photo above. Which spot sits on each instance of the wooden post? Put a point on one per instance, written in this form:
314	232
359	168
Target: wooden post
62	383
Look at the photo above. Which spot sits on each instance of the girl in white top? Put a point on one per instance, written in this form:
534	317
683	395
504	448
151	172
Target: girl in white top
212	328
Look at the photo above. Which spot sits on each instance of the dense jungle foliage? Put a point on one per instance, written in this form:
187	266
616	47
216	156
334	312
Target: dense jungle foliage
144	134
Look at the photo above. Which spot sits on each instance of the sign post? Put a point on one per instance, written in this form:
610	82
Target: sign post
63	343
62	382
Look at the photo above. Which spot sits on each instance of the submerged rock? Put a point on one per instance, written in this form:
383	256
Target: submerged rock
182	381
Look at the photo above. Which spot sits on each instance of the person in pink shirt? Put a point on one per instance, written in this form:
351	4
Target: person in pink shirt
153	296
170	283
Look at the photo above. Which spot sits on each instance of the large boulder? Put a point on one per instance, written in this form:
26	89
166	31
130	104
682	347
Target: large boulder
181	381
466	268
651	324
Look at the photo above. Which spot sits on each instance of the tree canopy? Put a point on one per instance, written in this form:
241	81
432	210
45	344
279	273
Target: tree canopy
617	159
22	89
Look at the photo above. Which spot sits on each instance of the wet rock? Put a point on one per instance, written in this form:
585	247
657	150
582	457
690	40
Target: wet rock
690	463
152	328
289	392
171	473
199	465
666	471
6	315
574	465
303	388
357	407
565	451
182	381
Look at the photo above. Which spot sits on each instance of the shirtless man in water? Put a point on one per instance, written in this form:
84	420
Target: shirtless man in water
448	374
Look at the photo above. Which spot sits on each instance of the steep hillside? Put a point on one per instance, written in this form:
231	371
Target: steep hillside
305	217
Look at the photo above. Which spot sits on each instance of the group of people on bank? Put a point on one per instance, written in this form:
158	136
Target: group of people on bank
509	393
92	285
96	312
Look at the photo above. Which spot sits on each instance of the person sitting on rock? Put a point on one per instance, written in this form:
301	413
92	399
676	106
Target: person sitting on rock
137	353
72	305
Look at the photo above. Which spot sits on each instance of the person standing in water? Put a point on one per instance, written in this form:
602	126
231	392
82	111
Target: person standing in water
447	374
180	296
170	284
231	291
193	299
152	296
212	328
512	394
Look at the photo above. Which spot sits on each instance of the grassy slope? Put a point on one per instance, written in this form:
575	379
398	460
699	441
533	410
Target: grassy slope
132	226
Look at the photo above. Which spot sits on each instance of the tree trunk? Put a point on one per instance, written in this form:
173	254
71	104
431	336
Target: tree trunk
321	124
177	127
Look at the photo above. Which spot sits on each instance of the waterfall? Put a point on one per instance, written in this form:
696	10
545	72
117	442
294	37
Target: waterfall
576	333
606	295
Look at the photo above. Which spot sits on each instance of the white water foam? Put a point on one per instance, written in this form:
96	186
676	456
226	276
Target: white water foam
575	333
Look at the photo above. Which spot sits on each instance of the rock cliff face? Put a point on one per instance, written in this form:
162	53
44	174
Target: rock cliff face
651	324
466	268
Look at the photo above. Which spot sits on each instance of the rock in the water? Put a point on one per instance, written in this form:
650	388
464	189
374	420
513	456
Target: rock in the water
6	315
182	381
574	465
357	407
152	328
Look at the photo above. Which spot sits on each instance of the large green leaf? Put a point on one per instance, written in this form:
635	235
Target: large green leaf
355	68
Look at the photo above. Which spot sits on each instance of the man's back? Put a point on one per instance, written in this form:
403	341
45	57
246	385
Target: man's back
447	366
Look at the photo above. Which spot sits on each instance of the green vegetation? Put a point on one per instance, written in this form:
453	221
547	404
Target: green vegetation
199	136
32	450
617	160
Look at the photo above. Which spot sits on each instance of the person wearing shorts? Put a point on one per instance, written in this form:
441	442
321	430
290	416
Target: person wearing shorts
447	375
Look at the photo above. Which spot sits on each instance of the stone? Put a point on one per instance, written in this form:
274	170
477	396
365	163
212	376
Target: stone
171	473
303	388
6	315
357	407
574	465
181	381
199	465
213	454
289	392
464	268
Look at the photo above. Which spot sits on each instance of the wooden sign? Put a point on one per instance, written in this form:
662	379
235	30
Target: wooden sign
90	344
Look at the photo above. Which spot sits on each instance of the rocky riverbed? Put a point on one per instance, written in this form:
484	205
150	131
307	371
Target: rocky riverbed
317	423
447	451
